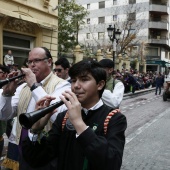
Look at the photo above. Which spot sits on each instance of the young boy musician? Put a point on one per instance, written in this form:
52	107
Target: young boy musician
89	135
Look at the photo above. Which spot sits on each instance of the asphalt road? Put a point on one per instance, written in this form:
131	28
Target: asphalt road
147	136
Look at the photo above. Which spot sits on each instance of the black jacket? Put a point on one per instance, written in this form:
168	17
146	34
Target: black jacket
102	152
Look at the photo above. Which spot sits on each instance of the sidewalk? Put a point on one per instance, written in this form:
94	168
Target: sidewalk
139	91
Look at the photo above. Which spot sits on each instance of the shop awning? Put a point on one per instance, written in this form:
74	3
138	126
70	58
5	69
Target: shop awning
157	62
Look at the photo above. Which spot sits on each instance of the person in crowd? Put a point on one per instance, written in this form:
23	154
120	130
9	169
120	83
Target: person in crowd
62	66
89	135
159	82
4	71
113	93
131	81
9	59
14	100
15	68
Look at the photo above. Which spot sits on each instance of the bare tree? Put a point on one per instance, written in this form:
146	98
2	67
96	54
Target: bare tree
130	28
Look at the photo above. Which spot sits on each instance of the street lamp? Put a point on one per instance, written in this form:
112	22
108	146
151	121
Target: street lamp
114	36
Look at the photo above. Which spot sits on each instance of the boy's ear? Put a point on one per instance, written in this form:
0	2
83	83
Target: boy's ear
101	84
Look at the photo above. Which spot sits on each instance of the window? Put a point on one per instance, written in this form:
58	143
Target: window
132	16
114	17
132	1
102	4
88	36
101	35
88	20
88	6
151	51
114	2
19	44
101	20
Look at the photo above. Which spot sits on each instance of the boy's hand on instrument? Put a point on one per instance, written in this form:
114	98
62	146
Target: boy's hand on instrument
43	103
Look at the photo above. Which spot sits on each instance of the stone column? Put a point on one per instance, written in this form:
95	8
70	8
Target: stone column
78	54
127	61
120	59
99	55
137	64
109	55
144	66
117	61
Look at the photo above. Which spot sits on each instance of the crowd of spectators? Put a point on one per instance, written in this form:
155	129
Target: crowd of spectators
134	80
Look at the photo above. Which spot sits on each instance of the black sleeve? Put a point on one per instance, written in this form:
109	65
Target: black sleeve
105	152
38	154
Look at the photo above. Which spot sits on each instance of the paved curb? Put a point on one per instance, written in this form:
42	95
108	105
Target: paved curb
138	92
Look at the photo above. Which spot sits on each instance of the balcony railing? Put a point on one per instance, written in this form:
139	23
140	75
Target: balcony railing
158	39
158	8
159	25
159	3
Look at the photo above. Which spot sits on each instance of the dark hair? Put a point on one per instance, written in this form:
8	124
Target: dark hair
94	68
47	52
63	62
4	68
106	63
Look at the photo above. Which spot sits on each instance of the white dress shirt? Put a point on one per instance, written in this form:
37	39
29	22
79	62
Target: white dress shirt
113	99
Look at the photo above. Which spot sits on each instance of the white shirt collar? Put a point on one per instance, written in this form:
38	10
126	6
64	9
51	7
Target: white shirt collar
96	106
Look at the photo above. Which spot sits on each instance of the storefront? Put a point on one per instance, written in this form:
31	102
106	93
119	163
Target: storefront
155	65
27	24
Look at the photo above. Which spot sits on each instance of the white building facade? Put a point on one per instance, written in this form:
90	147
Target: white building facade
151	26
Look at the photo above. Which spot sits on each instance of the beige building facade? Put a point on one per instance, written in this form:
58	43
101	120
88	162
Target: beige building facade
25	24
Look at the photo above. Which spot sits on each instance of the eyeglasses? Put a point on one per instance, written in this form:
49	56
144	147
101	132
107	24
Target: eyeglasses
35	61
58	70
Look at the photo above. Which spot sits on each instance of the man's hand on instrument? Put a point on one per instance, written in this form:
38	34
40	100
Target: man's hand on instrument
30	77
10	88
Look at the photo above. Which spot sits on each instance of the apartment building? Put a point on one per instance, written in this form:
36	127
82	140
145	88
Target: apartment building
25	24
151	28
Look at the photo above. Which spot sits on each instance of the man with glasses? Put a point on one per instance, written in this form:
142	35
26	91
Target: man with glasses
40	81
62	66
4	71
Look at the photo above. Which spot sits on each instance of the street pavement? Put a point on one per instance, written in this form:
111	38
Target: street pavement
148	148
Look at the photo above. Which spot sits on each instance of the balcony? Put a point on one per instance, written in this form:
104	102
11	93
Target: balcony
162	7
158	40
164	25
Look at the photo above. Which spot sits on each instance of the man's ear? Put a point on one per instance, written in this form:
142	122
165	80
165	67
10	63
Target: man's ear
67	69
50	62
101	84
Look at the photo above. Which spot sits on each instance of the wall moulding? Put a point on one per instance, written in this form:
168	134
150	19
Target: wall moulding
19	26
